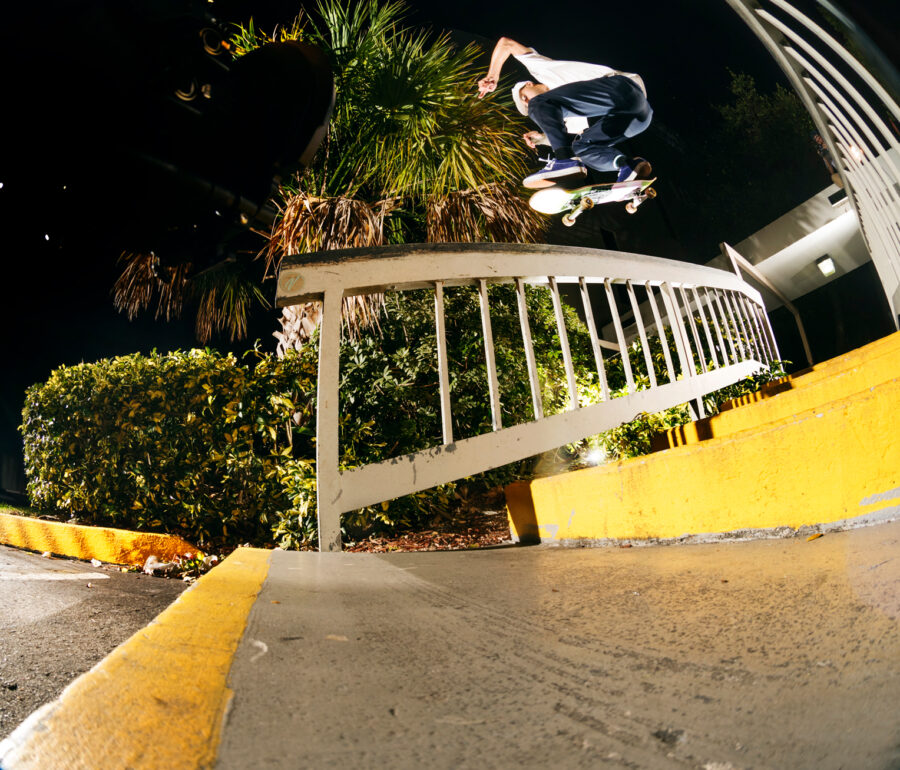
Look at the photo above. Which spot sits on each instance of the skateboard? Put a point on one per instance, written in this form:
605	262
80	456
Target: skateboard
556	199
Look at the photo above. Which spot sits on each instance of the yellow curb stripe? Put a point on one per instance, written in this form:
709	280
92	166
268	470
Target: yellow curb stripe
836	379
159	699
114	546
824	465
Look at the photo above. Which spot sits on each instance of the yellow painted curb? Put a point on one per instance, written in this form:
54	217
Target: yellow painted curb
839	378
114	546
823	465
159	699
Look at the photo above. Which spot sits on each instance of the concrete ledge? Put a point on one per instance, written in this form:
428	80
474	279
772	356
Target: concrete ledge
838	378
835	462
159	699
115	546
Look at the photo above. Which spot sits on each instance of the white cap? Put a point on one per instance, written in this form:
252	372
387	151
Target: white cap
520	104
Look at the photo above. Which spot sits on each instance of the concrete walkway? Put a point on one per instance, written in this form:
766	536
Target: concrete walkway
763	654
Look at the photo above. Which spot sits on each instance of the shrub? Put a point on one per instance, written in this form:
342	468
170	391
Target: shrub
191	443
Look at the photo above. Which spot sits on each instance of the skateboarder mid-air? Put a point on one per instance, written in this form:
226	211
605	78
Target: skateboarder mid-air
599	104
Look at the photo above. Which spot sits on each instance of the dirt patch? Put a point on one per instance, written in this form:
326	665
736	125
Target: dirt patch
478	529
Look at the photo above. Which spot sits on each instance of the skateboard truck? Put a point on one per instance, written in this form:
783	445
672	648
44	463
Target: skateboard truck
632	205
583	205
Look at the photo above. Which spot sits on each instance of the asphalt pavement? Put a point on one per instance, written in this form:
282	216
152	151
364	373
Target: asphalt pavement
766	654
59	618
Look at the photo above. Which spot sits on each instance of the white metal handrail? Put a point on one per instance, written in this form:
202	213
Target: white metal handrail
852	112
692	297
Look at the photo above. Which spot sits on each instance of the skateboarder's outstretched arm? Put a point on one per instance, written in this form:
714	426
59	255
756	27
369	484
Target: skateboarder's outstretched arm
505	48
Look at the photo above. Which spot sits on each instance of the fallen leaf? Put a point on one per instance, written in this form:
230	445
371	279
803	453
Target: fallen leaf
814	537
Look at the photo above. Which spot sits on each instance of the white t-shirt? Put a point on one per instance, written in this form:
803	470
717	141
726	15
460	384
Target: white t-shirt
554	72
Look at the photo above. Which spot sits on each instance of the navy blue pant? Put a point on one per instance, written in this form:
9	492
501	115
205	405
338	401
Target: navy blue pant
617	103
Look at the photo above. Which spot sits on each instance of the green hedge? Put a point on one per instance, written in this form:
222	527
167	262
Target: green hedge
193	443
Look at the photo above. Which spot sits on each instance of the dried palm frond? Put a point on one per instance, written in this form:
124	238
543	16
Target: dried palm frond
308	224
226	292
142	277
492	212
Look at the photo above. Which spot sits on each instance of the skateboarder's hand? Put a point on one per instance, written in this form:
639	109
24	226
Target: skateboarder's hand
486	85
534	138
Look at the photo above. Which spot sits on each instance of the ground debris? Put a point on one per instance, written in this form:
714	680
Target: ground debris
471	531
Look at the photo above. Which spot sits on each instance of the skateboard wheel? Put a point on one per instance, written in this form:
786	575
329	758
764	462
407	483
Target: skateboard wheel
650	192
587	203
568	220
631	207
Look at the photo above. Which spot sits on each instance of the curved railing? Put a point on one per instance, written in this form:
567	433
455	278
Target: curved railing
854	113
717	322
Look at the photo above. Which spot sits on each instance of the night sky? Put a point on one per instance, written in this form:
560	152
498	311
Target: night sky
55	307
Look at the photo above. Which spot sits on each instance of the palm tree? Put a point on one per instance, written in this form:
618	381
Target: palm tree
411	154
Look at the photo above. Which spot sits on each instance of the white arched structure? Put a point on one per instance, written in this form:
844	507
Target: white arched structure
854	113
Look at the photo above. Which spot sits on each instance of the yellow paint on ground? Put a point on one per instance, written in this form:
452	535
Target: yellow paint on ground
115	546
838	378
159	699
838	461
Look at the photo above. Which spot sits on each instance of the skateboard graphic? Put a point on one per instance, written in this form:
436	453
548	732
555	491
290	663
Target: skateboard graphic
556	199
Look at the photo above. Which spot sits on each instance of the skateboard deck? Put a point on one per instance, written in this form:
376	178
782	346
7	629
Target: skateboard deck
571	203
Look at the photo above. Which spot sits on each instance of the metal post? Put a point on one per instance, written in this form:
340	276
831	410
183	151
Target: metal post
536	401
328	477
636	310
595	339
443	373
620	336
564	344
490	359
661	330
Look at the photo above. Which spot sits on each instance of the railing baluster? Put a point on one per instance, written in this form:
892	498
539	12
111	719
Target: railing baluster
743	340
693	324
767	325
536	400
595	338
750	308
751	330
668	297
620	337
443	371
706	331
731	326
717	326
721	323
638	319
489	357
328	477
564	344
661	330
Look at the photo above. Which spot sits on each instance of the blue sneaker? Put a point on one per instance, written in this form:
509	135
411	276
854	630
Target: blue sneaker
555	169
634	168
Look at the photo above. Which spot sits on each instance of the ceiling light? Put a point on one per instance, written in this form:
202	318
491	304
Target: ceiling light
826	265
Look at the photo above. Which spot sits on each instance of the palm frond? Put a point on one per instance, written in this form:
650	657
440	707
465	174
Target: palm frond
307	224
226	292
142	277
493	212
412	153
321	224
